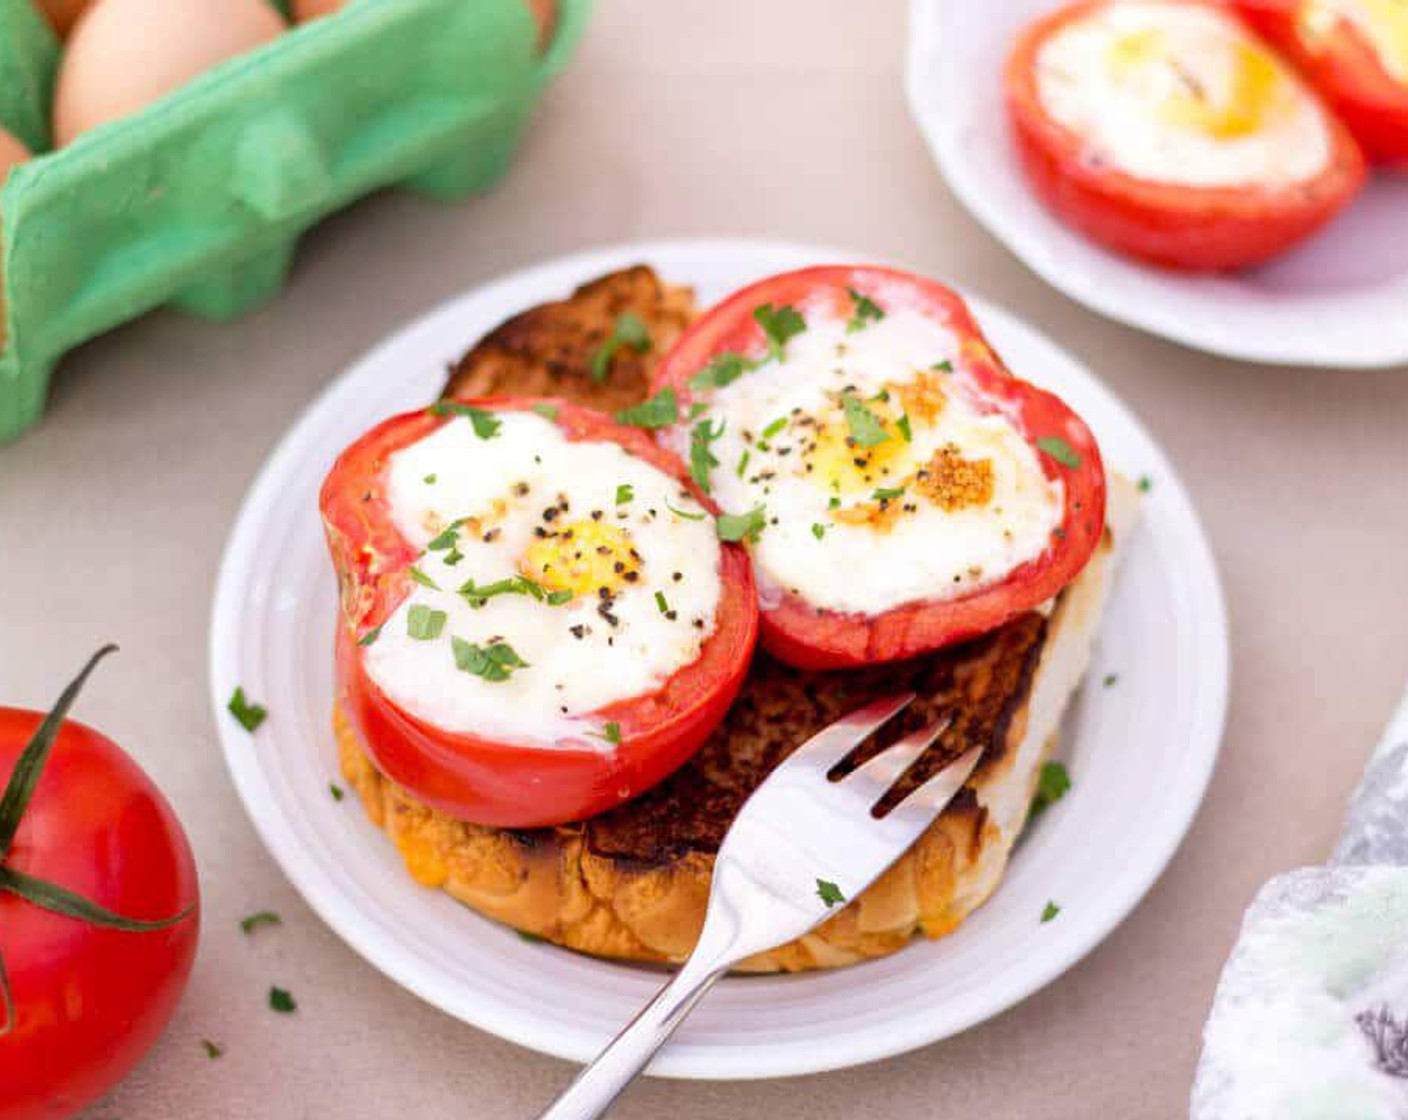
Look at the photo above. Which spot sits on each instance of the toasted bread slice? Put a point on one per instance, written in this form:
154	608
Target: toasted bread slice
632	884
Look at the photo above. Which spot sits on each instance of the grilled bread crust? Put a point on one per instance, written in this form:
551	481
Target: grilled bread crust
632	884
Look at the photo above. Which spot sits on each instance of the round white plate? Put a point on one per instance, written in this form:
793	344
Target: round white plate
1140	752
1337	300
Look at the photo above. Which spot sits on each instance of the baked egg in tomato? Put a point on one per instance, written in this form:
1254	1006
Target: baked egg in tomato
539	619
1355	52
899	489
1166	129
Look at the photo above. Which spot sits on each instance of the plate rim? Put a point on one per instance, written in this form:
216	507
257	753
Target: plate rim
699	1060
1261	349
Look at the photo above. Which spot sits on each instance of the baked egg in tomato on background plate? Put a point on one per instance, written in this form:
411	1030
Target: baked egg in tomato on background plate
1167	130
898	488
539	619
1355	52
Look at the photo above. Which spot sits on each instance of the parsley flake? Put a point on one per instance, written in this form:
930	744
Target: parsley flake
429	479
1049	911
903	425
779	324
281	1001
486	425
336	791
1145	483
213	1050
262	918
818	530
944	366
477	595
741	526
611	733
1051	785
495	662
701	455
624	493
1111	679
558	598
629	330
421	578
660	411
864	425
445	540
546	411
248	714
661	604
867	311
833	503
723	369
775	427
685	514
742	462
829	893
425	624
370	636
888	493
1059	450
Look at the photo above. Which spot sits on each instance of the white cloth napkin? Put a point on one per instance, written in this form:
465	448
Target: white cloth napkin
1310	1019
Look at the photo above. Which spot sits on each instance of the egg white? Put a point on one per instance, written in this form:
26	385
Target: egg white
1382	23
1128	114
926	552
510	480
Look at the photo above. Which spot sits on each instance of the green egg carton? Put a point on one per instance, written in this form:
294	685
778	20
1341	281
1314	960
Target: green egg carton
199	200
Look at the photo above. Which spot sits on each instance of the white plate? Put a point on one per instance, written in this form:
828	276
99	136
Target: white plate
1140	753
1337	300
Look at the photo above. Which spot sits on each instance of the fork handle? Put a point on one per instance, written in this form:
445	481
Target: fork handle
601	1082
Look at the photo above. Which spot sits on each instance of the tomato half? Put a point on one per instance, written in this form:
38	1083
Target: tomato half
798	633
89	1001
509	784
1169	224
1341	61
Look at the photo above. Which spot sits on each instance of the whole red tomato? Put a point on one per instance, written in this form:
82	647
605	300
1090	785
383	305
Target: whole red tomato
98	912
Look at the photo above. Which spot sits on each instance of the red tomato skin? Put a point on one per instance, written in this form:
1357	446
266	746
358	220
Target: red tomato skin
1346	70
1208	229
510	785
90	1002
807	638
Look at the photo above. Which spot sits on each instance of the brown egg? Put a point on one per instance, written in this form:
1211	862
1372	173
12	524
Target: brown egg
64	13
125	54
12	152
544	14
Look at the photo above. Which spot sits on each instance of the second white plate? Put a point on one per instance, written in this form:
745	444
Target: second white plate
1140	752
1337	300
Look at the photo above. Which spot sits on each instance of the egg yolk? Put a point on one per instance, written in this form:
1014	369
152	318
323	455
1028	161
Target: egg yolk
583	557
1252	94
840	463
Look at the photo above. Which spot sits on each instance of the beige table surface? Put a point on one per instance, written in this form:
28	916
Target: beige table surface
778	119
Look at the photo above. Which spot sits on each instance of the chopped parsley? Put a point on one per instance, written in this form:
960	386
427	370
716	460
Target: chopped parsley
660	603
660	411
486	424
1059	450
531	938
1049	912
696	410
775	427
834	503
741	526
370	636
429	479
905	430
742	462
281	1001
629	330
944	366
829	893
818	530
1145	483
1051	785
864	425
701	455
558	598
445	540
722	369
453	557
624	493
213	1050
421	578
262	918
495	662
682	513
1111	679
336	791
867	311
546	411
476	595
425	624
888	493
780	324
248	714
611	732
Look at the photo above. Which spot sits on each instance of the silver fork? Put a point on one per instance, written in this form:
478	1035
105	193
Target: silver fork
800	847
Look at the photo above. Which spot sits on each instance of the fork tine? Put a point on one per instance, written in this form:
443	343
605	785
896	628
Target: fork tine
833	742
939	790
885	769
